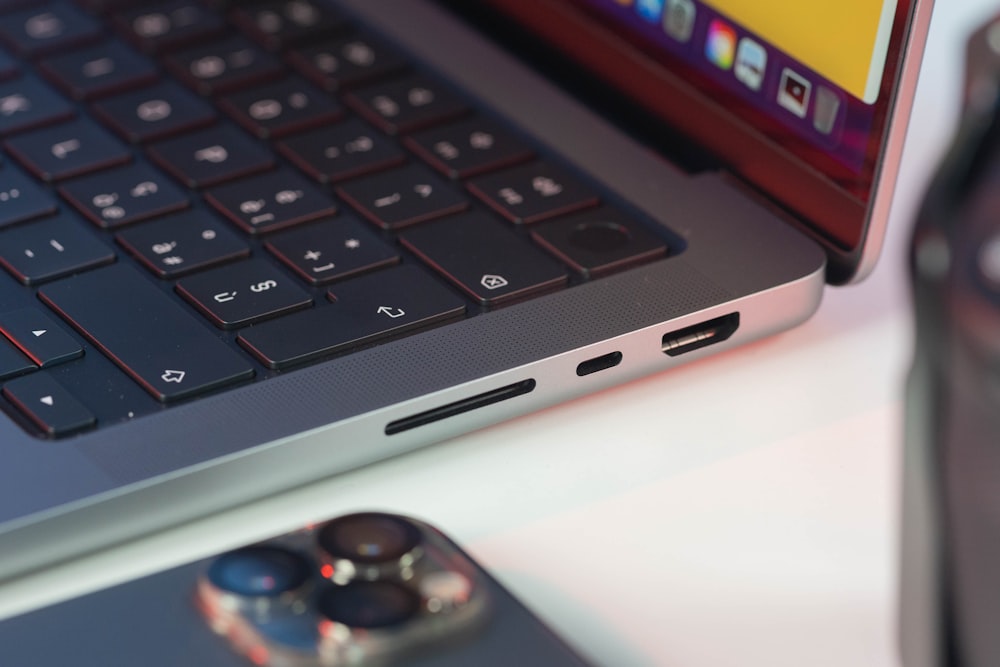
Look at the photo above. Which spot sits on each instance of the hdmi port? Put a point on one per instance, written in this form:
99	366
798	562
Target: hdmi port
701	335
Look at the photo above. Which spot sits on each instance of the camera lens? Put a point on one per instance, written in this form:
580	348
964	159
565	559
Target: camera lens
368	538
260	571
369	604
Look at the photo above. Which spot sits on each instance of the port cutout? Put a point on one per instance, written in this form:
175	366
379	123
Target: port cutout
601	363
700	335
460	407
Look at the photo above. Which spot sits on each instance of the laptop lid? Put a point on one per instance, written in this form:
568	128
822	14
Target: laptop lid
805	102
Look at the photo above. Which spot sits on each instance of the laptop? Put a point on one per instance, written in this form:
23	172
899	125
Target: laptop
249	245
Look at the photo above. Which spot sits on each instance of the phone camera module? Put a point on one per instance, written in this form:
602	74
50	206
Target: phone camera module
363	589
368	546
368	604
259	572
368	538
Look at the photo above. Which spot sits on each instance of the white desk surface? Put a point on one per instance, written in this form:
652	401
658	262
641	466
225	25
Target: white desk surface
739	511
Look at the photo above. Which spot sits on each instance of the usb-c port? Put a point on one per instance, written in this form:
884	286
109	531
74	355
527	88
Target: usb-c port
601	363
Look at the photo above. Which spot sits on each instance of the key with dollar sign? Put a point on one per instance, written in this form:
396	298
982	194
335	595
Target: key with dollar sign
243	293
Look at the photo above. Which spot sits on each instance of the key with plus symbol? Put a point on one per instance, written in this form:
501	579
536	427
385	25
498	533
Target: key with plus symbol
332	250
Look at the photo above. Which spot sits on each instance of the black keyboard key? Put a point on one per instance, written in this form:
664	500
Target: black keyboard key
45	402
12	362
468	147
599	242
277	109
407	104
182	243
277	25
332	250
124	195
21	198
271	201
26	103
342	151
154	112
100	70
532	192
58	26
168	25
39	337
211	156
243	293
148	334
223	65
51	248
12	294
67	150
347	61
366	309
484	257
401	197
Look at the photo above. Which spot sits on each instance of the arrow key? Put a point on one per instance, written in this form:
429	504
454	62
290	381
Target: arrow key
47	404
39	337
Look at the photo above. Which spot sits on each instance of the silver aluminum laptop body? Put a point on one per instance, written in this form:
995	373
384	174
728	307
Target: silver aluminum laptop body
66	497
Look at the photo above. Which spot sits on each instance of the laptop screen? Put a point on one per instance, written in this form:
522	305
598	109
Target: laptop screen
814	69
793	96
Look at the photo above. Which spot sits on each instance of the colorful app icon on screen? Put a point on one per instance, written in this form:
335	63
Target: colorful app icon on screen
751	63
678	19
794	92
720	47
650	9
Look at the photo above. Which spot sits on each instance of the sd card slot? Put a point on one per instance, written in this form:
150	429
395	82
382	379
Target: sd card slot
460	407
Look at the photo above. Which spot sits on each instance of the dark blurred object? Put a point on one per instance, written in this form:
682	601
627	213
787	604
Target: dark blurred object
950	602
361	590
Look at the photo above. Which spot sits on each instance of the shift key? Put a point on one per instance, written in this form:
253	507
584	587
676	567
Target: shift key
152	338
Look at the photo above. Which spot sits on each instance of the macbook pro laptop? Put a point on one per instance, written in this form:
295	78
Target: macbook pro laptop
248	245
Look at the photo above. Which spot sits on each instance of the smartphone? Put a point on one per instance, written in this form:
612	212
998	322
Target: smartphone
950	541
365	589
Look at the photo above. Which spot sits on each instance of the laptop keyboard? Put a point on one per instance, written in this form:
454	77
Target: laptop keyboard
195	196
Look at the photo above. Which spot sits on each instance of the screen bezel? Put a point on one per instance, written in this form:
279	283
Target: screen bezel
850	227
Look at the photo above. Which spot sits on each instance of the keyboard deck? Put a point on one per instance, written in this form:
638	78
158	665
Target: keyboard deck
196	195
